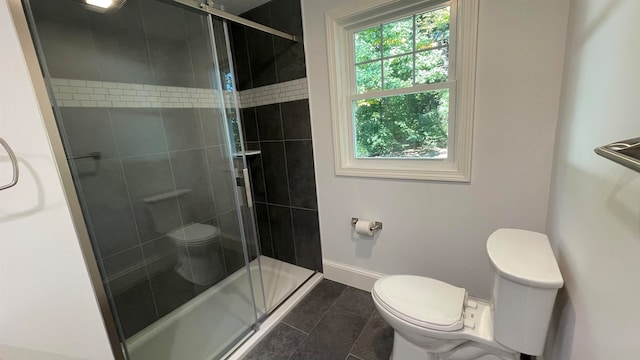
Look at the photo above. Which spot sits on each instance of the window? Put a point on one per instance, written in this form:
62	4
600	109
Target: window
402	78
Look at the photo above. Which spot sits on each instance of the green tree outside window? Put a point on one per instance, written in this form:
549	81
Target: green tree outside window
400	55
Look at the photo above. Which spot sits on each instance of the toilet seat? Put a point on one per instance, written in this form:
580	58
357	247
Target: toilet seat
194	234
422	301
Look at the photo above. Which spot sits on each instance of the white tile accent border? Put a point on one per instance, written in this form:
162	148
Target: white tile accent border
81	93
276	93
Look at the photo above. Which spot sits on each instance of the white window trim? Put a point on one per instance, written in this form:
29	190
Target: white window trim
340	25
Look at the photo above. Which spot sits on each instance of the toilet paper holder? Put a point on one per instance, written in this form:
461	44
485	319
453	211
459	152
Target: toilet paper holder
376	226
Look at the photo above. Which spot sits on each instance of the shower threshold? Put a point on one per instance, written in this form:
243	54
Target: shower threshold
209	326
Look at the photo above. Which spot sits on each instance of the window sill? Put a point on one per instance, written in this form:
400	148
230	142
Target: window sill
415	169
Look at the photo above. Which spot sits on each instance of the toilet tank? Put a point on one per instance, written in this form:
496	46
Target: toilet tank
527	279
163	209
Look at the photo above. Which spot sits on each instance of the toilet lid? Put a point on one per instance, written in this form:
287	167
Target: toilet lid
194	234
422	301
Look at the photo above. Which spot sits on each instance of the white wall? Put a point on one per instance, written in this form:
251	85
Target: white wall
438	229
594	217
46	300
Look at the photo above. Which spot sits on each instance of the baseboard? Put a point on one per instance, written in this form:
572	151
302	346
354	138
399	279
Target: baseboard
350	275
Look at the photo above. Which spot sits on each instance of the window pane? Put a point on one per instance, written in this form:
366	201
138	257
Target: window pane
368	77
402	126
432	29
367	44
432	66
398	72
398	37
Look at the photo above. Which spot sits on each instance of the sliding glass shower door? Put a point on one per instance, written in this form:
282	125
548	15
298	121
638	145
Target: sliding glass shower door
141	104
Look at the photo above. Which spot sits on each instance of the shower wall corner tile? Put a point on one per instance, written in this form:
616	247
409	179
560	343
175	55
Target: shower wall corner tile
306	231
191	172
170	59
286	16
264	229
105	197
72	38
261	56
122	48
296	120
135	308
159	255
282	233
241	57
257	178
289	59
269	120
122	262
147	176
300	169
88	130
138	131
200	49
275	170
249	124
182	128
212	126
222	179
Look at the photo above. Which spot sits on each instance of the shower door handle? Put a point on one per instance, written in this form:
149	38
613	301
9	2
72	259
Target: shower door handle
14	164
247	187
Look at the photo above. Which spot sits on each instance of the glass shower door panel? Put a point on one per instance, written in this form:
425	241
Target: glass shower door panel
137	98
238	158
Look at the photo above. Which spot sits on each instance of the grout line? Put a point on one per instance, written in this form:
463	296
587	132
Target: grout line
135	223
350	354
177	201
295	328
286	176
189	40
281	140
361	332
318	322
287	206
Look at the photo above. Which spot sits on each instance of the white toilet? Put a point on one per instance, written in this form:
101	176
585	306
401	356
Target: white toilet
199	254
437	321
199	258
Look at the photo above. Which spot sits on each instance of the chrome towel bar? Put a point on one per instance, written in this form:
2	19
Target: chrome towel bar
96	155
14	164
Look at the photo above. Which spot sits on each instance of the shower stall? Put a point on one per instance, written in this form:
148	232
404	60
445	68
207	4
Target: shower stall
145	101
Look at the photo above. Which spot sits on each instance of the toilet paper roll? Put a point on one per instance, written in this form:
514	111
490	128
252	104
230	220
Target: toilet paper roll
363	227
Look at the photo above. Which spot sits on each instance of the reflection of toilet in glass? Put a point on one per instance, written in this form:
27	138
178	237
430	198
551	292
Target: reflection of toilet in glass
434	320
199	258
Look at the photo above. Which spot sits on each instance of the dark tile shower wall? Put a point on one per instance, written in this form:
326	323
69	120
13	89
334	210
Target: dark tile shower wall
144	151
283	176
262	59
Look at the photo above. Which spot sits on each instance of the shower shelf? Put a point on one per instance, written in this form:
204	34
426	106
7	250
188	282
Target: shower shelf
625	153
247	153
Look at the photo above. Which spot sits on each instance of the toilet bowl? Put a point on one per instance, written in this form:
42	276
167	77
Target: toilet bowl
199	253
435	320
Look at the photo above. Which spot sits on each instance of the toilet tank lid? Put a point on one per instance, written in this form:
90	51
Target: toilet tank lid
524	257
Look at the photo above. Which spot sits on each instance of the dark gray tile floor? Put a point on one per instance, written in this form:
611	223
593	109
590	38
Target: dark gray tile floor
333	321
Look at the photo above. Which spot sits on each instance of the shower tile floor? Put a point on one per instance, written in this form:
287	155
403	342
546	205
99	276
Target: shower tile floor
333	321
